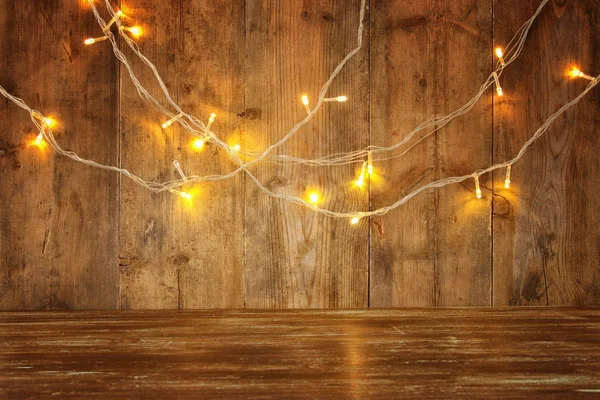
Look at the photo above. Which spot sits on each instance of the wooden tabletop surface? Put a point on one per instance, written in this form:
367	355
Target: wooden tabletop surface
434	353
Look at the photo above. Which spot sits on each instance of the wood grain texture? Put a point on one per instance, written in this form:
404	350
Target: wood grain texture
72	237
546	227
295	257
437	353
176	253
58	248
428	58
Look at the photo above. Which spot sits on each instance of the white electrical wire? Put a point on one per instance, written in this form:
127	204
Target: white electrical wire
197	128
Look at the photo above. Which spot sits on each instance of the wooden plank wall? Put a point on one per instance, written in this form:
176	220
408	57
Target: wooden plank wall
77	238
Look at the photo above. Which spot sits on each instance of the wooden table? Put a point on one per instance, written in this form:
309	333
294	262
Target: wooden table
434	353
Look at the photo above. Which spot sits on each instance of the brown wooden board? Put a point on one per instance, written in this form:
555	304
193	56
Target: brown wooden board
177	253
58	242
295	257
427	59
438	353
547	226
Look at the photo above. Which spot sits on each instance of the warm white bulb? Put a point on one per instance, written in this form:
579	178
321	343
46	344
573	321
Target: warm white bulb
354	220
577	73
498	87
305	102
170	122
507	179
361	178
477	187
211	119
49	122
135	31
95	40
500	55
313	198
198	144
39	139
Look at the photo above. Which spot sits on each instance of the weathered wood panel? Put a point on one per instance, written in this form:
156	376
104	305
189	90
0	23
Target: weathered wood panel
69	239
295	257
176	253
547	226
474	353
58	248
428	58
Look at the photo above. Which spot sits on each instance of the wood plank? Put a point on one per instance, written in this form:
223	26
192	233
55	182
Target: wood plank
546	227
498	353
428	58
177	254
58	220
294	257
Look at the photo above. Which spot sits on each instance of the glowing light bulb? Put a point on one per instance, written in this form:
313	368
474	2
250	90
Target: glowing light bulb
500	55
361	178
369	163
172	120
576	73
477	188
507	179
236	147
306	103
339	99
39	140
211	120
498	87
313	198
354	220
135	31
198	144
49	122
184	195
95	40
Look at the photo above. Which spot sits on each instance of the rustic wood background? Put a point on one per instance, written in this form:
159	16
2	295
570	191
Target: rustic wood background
73	237
497	353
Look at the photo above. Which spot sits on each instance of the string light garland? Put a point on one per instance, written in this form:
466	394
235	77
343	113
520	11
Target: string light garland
202	133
